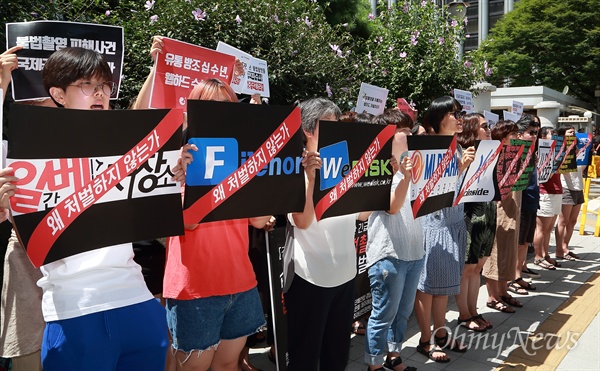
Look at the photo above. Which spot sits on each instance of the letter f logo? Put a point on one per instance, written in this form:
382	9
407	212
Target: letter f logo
215	159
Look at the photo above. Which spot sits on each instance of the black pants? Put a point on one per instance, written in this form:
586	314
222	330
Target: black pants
319	321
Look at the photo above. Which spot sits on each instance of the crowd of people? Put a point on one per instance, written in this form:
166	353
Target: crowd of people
94	310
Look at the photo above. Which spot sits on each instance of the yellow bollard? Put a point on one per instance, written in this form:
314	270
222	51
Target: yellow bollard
586	193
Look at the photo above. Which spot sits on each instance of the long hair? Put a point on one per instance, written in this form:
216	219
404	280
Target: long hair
502	128
470	130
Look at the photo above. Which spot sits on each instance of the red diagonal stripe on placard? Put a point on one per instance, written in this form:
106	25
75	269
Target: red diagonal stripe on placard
527	159
43	236
355	173
435	178
549	157
585	147
512	165
205	204
567	153
477	174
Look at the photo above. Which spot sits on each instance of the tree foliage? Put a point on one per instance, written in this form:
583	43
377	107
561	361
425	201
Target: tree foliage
306	54
548	42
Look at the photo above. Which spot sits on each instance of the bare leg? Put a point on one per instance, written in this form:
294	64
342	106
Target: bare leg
423	305
570	227
561	229
227	354
462	299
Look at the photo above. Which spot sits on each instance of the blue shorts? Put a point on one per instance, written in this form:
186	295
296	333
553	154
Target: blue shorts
129	338
199	324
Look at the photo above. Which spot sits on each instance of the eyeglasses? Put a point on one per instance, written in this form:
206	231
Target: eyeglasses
458	114
485	127
108	87
533	133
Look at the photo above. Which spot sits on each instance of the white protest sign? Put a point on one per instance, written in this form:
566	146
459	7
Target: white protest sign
510	116
465	98
517	108
491	118
4	144
257	78
237	82
478	183
545	159
371	99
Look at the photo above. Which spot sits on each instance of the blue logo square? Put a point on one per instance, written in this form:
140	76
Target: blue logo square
215	159
336	163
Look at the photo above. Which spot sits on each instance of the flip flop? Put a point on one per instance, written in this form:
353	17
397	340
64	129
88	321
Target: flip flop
500	306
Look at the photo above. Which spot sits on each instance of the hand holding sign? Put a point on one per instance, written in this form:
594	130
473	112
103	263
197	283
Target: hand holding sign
311	162
467	158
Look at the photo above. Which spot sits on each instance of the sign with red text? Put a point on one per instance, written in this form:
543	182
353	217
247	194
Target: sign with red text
565	159
584	148
248	161
256	76
507	169
545	159
180	67
517	108
435	172
238	81
356	174
109	184
40	39
526	163
479	183
405	107
371	99
465	98
491	118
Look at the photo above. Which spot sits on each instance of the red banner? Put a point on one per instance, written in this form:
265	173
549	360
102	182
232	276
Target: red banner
180	67
62	215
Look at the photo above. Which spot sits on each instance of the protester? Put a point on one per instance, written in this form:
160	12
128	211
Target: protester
499	269
480	219
395	259
550	206
320	295
444	237
572	200
528	130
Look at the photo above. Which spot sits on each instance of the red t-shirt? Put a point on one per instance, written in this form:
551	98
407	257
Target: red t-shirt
552	186
211	260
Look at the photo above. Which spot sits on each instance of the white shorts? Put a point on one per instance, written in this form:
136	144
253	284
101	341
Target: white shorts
550	205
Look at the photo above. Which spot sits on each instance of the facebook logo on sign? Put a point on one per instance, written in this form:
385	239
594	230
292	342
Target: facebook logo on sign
336	164
215	159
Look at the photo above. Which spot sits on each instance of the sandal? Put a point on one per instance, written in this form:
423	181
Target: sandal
524	284
511	301
482	321
552	261
450	343
432	350
469	322
544	264
391	363
500	306
514	287
569	256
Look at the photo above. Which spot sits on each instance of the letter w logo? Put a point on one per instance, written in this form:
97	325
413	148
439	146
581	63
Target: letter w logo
335	157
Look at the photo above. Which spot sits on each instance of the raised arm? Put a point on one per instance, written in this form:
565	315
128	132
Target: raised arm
8	63
399	195
143	99
311	162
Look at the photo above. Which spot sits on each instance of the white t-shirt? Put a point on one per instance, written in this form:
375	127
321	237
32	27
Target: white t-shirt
573	181
324	253
91	282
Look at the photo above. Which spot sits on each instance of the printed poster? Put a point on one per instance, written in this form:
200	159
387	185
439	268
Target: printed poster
405	107
42	38
526	165
508	168
566	156
465	98
479	183
180	67
509	116
237	82
80	191
435	172
371	99
517	108
491	118
362	286
356	174
545	159
584	148
257	78
248	161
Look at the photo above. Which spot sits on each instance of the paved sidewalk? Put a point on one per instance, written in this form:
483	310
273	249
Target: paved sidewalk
557	328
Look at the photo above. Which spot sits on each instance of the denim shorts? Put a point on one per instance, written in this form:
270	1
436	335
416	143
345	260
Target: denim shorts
199	324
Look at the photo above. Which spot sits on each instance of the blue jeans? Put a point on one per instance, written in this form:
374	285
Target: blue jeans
393	287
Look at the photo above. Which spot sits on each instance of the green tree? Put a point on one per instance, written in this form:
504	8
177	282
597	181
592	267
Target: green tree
412	51
548	42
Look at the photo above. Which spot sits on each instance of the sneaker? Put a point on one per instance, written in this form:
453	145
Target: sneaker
530	273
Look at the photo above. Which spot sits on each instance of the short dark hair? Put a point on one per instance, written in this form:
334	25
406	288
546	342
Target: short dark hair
502	128
563	129
68	65
395	117
544	131
437	110
526	121
468	135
